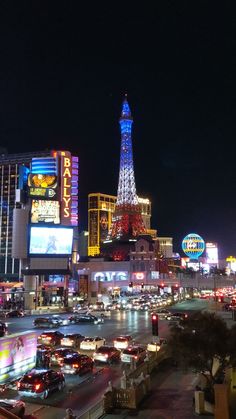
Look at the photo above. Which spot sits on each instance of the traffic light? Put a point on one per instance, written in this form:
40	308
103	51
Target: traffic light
154	324
142	285
131	284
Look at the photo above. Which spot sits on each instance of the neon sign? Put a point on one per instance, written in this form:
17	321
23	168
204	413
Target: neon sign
65	188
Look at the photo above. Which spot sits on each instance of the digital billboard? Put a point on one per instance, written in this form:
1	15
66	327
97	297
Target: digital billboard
211	253
45	211
50	241
17	355
42	186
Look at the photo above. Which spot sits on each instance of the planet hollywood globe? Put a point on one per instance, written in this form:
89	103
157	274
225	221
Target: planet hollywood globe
193	245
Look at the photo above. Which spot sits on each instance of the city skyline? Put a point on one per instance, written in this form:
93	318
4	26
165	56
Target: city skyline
64	76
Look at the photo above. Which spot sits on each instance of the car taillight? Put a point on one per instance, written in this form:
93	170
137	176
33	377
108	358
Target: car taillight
37	386
135	357
75	365
186	316
106	355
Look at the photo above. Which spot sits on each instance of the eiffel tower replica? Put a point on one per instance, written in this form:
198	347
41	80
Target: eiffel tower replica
127	222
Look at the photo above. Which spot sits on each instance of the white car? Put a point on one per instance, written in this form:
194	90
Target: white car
91	344
156	346
122	342
61	320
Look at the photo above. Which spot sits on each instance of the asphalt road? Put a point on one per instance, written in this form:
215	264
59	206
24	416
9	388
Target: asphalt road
82	392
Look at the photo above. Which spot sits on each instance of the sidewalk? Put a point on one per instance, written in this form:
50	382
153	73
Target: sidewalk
171	397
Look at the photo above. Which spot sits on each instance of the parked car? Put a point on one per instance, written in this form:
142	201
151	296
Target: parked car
72	340
106	354
17	407
77	364
52	338
85	318
92	343
3	329
58	355
15	313
46	322
39	383
133	353
122	342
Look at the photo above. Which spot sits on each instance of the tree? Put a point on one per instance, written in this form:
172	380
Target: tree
200	341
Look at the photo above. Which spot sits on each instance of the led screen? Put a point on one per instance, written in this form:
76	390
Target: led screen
18	355
45	211
50	241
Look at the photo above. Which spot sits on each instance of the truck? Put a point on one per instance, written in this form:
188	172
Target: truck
17	355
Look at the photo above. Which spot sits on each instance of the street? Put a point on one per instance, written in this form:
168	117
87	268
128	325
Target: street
81	393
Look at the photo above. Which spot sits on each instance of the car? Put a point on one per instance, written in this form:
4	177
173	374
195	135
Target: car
72	340
177	316
52	338
3	329
80	309
156	346
63	321
133	354
77	364
40	382
86	318
17	407
163	313
122	342
58	355
46	322
106	354
15	313
92	343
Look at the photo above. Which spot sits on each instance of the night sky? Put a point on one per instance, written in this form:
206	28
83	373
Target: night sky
65	69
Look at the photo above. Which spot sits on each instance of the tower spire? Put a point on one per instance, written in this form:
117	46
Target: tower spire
127	221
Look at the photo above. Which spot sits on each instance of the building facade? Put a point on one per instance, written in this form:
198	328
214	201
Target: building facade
10	168
101	208
39	229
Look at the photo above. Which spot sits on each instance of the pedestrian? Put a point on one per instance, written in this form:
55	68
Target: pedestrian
70	414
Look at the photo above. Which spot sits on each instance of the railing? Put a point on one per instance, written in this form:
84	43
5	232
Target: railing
95	412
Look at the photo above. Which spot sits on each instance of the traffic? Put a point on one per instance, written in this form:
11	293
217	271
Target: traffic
62	353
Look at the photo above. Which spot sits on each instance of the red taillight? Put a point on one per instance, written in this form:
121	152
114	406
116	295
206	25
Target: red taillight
106	355
75	365
135	357
185	316
37	386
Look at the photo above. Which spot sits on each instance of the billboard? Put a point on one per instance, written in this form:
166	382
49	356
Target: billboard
66	184
17	355
50	241
44	186
103	225
45	211
211	253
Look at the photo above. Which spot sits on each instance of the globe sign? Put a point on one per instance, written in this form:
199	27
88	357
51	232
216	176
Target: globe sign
193	245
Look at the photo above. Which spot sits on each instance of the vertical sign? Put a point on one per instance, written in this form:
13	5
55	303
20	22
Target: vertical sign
66	178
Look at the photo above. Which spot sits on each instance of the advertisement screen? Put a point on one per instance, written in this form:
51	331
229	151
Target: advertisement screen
50	241
45	211
211	253
42	181
17	355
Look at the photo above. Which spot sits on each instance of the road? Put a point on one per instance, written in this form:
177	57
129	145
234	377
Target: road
82	392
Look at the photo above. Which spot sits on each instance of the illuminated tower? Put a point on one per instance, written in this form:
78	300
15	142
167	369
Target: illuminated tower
127	222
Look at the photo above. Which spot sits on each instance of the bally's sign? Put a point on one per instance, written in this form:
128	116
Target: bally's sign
66	175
